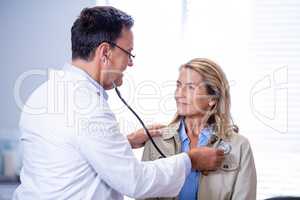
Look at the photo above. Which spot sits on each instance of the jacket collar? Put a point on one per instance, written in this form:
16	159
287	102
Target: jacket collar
171	131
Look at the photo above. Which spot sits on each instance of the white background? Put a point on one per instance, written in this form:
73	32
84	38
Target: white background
257	44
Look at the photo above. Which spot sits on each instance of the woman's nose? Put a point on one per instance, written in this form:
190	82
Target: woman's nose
179	94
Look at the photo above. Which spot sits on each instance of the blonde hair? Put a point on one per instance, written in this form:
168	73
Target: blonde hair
218	87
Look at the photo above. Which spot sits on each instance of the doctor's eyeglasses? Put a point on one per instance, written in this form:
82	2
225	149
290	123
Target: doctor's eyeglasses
130	55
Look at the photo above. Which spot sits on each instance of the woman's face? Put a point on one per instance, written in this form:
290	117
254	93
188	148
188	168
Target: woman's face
191	95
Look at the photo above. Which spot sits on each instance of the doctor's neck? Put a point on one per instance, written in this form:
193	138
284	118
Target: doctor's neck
90	67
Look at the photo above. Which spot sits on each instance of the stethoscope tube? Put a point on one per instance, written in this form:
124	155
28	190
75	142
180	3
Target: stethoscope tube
140	120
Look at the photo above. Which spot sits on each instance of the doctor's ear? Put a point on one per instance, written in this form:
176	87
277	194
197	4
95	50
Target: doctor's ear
105	58
104	51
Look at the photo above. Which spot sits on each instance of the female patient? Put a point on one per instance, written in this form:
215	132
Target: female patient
203	119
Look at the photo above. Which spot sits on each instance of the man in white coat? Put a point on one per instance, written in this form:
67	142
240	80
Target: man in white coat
72	145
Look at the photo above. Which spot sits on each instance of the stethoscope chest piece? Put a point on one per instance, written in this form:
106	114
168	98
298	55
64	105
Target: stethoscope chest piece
225	147
221	144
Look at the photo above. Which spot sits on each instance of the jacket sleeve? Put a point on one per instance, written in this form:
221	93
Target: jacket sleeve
147	157
147	152
245	185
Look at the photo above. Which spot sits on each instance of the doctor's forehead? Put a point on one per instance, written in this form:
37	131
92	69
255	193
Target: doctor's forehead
126	39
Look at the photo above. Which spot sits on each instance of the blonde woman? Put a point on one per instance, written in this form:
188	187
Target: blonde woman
203	119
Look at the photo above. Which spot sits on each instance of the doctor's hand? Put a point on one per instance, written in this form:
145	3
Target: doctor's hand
206	158
138	138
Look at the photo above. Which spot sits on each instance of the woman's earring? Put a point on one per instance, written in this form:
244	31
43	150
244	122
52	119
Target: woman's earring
211	103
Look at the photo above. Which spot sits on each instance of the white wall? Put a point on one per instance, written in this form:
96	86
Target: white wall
34	35
257	44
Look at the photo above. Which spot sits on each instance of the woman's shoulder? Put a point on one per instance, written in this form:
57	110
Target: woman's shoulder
239	143
237	138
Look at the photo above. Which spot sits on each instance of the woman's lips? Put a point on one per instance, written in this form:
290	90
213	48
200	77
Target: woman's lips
184	103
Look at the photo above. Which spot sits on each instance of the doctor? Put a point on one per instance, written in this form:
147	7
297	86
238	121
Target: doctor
73	148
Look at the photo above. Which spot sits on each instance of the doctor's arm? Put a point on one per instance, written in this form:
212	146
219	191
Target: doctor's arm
138	138
111	156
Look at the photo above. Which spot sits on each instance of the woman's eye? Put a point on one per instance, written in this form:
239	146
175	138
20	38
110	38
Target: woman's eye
191	87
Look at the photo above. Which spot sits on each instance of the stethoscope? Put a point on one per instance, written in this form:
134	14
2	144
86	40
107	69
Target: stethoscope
139	119
220	144
213	139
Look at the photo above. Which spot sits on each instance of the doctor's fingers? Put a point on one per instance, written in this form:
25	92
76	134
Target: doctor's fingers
205	173
220	159
219	163
216	162
220	152
155	132
156	126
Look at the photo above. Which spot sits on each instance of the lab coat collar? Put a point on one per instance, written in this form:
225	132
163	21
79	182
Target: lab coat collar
73	69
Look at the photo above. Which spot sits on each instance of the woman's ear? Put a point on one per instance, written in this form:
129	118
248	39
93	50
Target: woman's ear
211	103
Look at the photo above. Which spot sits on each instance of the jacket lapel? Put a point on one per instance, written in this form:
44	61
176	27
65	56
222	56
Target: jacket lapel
171	133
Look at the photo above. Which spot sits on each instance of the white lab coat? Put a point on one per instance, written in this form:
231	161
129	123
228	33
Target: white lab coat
73	149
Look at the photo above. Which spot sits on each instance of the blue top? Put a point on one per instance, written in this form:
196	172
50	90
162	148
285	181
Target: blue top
189	190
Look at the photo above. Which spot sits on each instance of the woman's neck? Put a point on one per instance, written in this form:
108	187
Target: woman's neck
194	125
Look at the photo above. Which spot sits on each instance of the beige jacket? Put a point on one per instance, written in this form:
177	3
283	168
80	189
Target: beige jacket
235	180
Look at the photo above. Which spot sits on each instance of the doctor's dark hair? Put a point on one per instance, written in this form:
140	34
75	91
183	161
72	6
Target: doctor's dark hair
94	26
